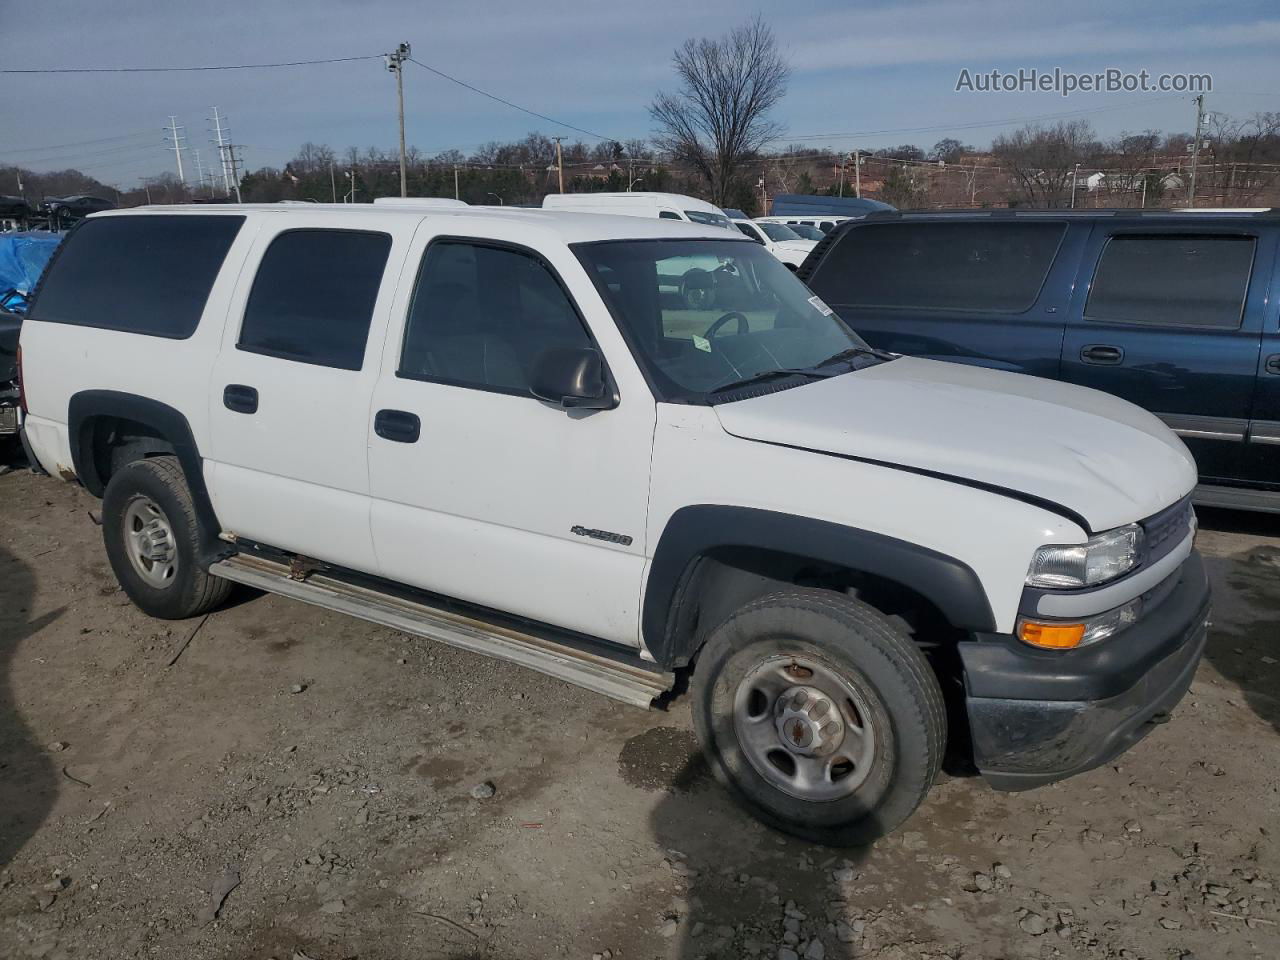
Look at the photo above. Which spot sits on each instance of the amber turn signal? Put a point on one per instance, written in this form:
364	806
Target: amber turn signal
1055	636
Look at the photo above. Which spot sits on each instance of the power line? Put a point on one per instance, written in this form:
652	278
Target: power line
515	106
80	143
226	66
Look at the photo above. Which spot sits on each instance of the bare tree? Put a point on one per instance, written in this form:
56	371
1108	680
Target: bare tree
719	116
1042	160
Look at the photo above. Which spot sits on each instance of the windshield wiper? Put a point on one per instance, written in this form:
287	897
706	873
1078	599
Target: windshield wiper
769	375
851	352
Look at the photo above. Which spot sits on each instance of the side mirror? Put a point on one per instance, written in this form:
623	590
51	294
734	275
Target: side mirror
571	377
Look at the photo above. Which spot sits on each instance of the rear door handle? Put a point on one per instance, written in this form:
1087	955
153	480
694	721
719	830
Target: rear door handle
1272	364
398	425
240	398
1101	353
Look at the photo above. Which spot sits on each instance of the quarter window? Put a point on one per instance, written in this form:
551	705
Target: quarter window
1193	281
148	274
312	300
482	315
981	267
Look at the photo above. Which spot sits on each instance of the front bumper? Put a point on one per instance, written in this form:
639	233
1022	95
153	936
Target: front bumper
1038	716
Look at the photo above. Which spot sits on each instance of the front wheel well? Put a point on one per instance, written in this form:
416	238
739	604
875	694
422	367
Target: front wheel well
723	580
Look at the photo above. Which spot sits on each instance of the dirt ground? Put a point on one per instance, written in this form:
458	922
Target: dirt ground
298	785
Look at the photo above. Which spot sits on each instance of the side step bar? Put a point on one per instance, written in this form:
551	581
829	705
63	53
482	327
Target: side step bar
622	681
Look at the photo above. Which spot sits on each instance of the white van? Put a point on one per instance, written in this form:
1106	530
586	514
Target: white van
825	223
779	239
666	206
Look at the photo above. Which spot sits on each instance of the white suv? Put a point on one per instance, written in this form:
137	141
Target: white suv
518	432
779	239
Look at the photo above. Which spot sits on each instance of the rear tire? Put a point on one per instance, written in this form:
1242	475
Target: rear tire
818	715
153	541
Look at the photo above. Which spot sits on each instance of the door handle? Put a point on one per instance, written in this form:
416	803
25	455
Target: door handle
1272	364
240	398
398	425
1101	353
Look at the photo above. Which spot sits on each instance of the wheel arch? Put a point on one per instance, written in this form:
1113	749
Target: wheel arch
164	430
712	559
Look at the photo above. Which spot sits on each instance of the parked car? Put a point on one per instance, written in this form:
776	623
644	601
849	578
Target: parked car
66	209
508	431
1173	311
665	206
823	223
779	239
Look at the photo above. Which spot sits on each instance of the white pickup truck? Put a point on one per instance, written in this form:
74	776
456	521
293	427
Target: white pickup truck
514	432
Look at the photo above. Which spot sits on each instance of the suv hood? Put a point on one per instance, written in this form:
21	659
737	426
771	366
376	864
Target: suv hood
796	246
1103	458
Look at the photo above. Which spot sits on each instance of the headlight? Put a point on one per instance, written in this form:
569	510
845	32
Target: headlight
1104	557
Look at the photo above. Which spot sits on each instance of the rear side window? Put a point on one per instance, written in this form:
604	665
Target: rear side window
1169	279
312	300
668	215
137	274
987	267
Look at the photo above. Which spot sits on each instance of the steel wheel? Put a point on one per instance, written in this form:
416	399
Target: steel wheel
804	728
149	542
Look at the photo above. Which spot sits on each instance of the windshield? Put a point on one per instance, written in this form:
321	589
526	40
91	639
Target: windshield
779	231
806	232
702	313
709	219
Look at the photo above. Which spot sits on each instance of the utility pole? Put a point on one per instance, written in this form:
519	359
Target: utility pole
1195	151
176	142
455	181
559	162
395	63
333	182
199	170
232	161
843	160
857	174
222	152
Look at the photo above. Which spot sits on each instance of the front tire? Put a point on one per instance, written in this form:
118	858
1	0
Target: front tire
152	539
820	716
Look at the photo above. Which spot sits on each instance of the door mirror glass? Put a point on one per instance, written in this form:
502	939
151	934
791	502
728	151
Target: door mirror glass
571	377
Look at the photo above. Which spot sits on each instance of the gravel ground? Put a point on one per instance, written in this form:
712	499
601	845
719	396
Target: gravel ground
300	785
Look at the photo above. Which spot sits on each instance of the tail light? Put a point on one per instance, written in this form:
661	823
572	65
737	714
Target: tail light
22	391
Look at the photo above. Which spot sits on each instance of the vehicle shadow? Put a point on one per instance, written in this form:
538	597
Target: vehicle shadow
28	782
742	888
1243	645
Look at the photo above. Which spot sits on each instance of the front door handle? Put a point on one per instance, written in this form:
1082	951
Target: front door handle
1272	364
240	398
398	425
1101	353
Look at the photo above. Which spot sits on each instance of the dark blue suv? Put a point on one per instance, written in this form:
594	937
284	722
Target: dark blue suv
1175	311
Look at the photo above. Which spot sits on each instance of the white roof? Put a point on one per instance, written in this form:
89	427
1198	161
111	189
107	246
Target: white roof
565	226
678	200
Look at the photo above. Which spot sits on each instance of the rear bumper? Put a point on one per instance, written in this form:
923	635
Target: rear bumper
1038	716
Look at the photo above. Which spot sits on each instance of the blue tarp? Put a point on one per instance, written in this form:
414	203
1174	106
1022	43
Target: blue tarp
22	259
809	205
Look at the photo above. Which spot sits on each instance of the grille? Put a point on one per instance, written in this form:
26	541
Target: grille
1165	530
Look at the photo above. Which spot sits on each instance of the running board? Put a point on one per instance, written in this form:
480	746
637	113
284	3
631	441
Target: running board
622	681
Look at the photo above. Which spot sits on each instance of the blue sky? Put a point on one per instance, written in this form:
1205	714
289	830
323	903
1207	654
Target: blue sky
858	68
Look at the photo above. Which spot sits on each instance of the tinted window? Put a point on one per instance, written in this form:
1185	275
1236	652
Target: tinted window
481	316
1189	281
313	297
668	215
779	231
138	274
749	231
991	267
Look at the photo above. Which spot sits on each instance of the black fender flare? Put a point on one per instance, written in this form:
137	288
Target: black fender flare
694	531
166	421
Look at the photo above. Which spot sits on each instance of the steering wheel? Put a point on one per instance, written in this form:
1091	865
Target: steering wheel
744	325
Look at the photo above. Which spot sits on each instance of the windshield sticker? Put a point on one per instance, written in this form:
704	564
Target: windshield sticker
821	307
703	344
